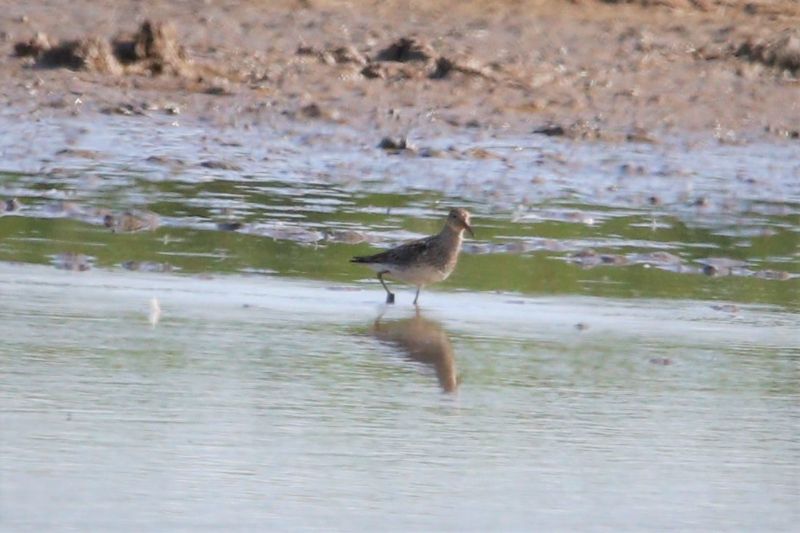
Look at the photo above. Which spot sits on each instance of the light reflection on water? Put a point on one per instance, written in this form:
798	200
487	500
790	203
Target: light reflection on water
265	403
422	340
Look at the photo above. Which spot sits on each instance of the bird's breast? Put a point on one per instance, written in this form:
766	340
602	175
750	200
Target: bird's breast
418	274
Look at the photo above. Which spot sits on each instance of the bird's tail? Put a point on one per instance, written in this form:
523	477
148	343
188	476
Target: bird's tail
360	259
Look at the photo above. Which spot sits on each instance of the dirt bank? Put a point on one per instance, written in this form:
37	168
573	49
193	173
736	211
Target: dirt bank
586	69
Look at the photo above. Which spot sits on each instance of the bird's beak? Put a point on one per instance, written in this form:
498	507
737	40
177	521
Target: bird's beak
469	229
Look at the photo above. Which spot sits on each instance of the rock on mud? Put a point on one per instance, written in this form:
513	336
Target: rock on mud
407	49
33	47
347	236
129	222
721	266
92	54
10	205
783	52
315	111
410	58
153	49
294	234
147	266
589	258
230	226
395	144
79	153
580	129
780	275
341	55
445	66
214	164
72	261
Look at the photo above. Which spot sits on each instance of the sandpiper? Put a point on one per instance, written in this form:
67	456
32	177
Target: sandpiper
423	261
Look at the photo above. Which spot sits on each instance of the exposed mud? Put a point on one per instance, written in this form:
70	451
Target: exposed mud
713	266
588	70
783	53
152	49
646	219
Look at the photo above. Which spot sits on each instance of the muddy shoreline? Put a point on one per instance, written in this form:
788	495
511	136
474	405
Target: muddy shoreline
587	70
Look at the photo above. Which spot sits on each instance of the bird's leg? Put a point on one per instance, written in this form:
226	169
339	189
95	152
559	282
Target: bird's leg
389	294
417	296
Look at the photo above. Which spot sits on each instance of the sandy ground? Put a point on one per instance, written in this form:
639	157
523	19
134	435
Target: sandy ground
638	71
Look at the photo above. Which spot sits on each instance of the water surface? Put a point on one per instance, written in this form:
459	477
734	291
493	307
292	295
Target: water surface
618	349
258	402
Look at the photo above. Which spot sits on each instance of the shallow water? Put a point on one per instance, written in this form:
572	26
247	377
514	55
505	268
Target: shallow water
255	380
260	402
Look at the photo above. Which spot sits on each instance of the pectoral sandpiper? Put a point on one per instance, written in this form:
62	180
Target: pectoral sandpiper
424	261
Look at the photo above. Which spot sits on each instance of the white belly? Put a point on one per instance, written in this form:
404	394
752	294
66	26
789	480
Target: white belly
416	275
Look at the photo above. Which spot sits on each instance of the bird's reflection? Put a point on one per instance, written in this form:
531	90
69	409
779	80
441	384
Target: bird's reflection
421	340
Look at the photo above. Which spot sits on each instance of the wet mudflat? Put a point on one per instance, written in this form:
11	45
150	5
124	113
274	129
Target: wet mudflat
679	220
185	346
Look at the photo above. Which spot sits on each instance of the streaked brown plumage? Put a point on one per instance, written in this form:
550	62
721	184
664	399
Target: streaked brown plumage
423	261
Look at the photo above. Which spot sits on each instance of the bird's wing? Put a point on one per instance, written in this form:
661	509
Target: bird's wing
400	255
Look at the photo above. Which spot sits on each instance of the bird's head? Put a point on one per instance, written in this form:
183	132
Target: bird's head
458	220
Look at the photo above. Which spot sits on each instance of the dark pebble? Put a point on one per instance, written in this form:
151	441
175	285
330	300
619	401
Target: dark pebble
220	165
229	226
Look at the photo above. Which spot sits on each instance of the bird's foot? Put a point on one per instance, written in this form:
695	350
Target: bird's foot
390	298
